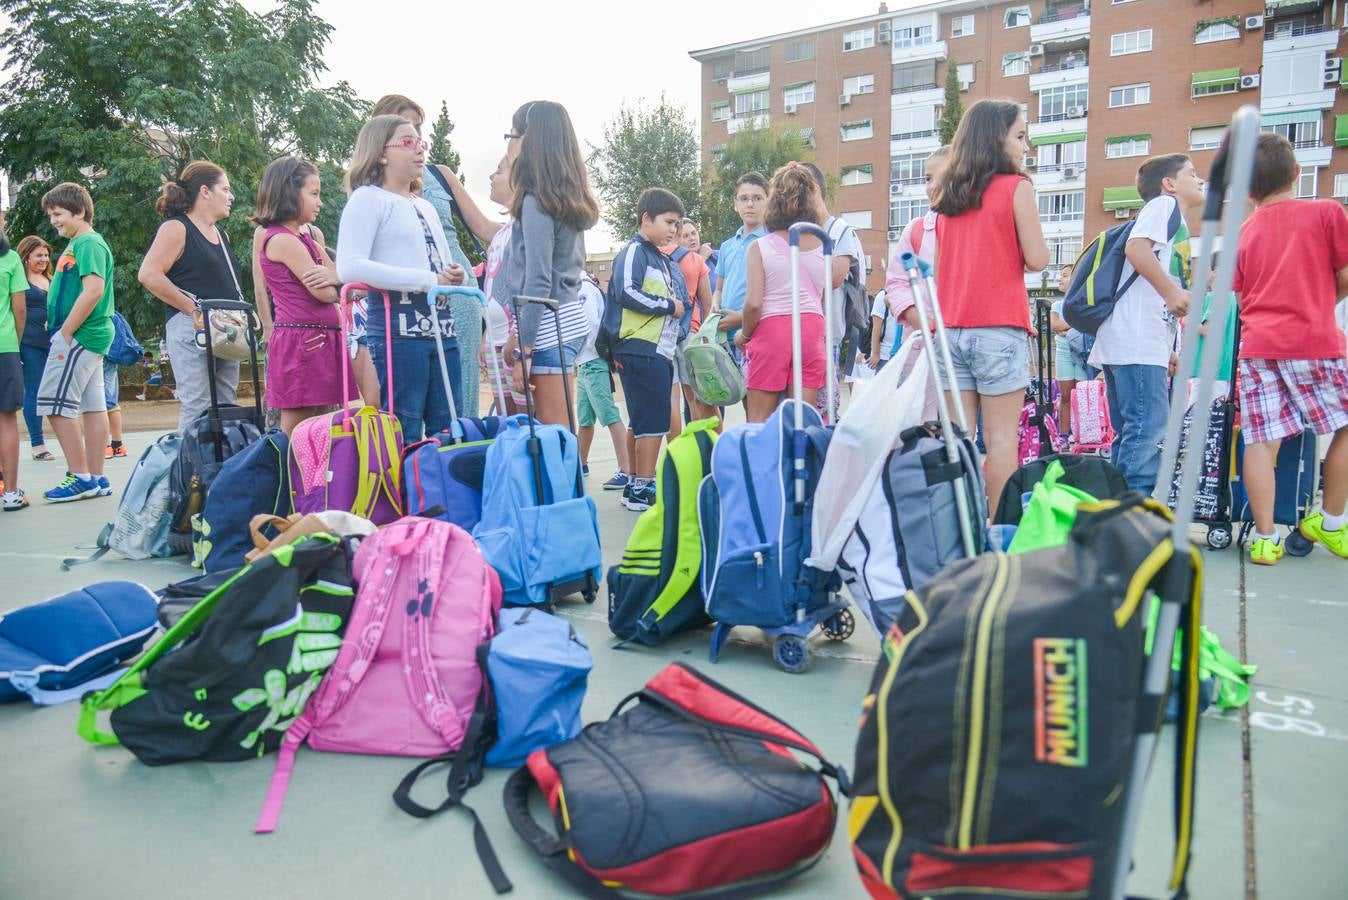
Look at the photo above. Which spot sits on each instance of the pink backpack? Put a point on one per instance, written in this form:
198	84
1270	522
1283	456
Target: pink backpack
407	680
1091	427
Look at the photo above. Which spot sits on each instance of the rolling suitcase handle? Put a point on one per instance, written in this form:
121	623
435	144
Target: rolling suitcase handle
1232	168
207	307
345	309
797	366
433	301
536	448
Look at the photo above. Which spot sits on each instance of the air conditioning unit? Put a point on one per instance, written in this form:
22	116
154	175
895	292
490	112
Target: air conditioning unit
1254	23
844	99
1031	162
1036	49
1070	172
1333	63
883	36
894	234
789	109
1249	82
1077	112
1331	77
1123	213
895	189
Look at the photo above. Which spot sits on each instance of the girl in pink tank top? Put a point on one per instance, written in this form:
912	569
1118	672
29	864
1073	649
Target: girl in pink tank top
989	236
793	197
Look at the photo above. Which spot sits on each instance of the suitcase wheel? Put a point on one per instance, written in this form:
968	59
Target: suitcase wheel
1296	545
1219	537
791	652
840	626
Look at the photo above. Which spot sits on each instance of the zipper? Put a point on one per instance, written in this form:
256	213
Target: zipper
758	574
978	700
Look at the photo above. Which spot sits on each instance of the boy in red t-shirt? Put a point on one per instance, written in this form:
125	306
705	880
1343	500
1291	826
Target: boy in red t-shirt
1291	269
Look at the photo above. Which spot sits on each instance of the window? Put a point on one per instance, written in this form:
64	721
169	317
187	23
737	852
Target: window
860	39
1129	95
912	123
863	174
798	94
720	111
1062	207
1341	186
908	169
1055	156
751	62
751	103
1206	84
1132	145
1016	64
860	220
1216	31
1301	134
807	135
1063	251
720	69
901	212
1063	102
858	131
1016	16
1207	137
1130	42
1307	183
798	50
913	35
1299	74
859	84
961	26
914	76
965	74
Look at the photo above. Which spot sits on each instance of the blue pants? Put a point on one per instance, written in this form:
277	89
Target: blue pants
419	399
1139	402
32	359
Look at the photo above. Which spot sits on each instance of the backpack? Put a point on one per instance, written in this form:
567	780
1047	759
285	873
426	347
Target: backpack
754	540
909	528
539	667
998	734
233	673
1097	279
853	315
125	349
407	681
65	643
706	363
141	527
207	443
539	529
656	591
443	474
1092	474
350	461
1092	428
252	482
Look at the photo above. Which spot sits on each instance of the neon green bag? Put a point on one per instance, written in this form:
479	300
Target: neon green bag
1050	514
1214	662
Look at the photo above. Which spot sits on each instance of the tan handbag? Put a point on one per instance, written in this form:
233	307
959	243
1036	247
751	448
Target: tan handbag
295	526
229	331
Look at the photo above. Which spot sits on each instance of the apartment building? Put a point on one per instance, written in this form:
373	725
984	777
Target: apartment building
1103	84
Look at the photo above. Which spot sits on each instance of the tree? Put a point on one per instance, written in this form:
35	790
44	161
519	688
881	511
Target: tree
645	148
442	152
119	96
761	150
954	110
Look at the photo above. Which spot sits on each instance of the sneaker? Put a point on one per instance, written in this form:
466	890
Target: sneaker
13	501
618	482
72	488
639	499
1264	552
1336	542
104	486
114	451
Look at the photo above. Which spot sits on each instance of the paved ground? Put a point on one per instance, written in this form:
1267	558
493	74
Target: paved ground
79	820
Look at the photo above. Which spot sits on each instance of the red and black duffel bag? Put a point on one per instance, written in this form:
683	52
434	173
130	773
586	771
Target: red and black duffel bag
692	790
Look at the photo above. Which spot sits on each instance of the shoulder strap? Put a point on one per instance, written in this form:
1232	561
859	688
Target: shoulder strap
915	236
454	206
679	253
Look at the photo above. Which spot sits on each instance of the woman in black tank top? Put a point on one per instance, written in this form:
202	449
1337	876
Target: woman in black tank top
191	258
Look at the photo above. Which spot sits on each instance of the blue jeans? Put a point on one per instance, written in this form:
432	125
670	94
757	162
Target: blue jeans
32	359
1139	403
419	399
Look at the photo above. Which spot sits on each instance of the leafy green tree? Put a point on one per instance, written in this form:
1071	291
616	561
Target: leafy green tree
442	153
954	110
761	150
645	147
119	96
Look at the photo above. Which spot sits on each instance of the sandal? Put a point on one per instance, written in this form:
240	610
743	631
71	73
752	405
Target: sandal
43	455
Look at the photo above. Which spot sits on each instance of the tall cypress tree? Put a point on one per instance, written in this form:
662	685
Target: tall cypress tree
954	110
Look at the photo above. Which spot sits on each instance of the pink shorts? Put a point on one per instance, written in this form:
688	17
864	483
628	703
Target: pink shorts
769	353
1278	395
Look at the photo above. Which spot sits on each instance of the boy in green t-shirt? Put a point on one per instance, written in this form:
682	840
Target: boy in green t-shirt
13	312
79	316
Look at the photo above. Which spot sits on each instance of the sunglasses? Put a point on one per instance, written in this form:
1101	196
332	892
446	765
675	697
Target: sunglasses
410	143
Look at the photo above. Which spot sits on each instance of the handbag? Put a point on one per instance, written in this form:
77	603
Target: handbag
229	331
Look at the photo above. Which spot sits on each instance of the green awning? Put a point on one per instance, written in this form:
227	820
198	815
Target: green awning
750	90
1217	77
1341	131
1122	198
1069	138
1343	76
1289	118
1014	57
1127	138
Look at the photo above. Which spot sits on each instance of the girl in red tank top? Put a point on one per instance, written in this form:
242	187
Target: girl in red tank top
989	236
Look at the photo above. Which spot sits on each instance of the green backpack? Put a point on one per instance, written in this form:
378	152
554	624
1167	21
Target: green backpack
708	367
655	591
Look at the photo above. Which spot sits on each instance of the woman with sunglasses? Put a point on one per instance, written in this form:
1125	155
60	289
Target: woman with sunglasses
393	241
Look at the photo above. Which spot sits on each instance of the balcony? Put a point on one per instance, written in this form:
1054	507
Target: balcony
1051	125
912	88
1067	23
1059	176
1064	116
914	135
1299	36
908	188
1312	154
755	80
737	124
1075	72
914	142
908	51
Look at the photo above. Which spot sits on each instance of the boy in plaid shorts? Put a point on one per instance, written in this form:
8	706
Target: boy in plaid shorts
594	391
1291	269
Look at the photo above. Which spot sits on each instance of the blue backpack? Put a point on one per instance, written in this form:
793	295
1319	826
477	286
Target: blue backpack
539	667
125	349
446	470
1097	280
63	643
253	482
539	529
754	540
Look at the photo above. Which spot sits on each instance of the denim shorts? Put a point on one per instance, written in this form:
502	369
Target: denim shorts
549	360
110	385
992	361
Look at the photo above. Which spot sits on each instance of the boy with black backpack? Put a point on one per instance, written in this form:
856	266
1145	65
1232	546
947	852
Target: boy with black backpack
1135	344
